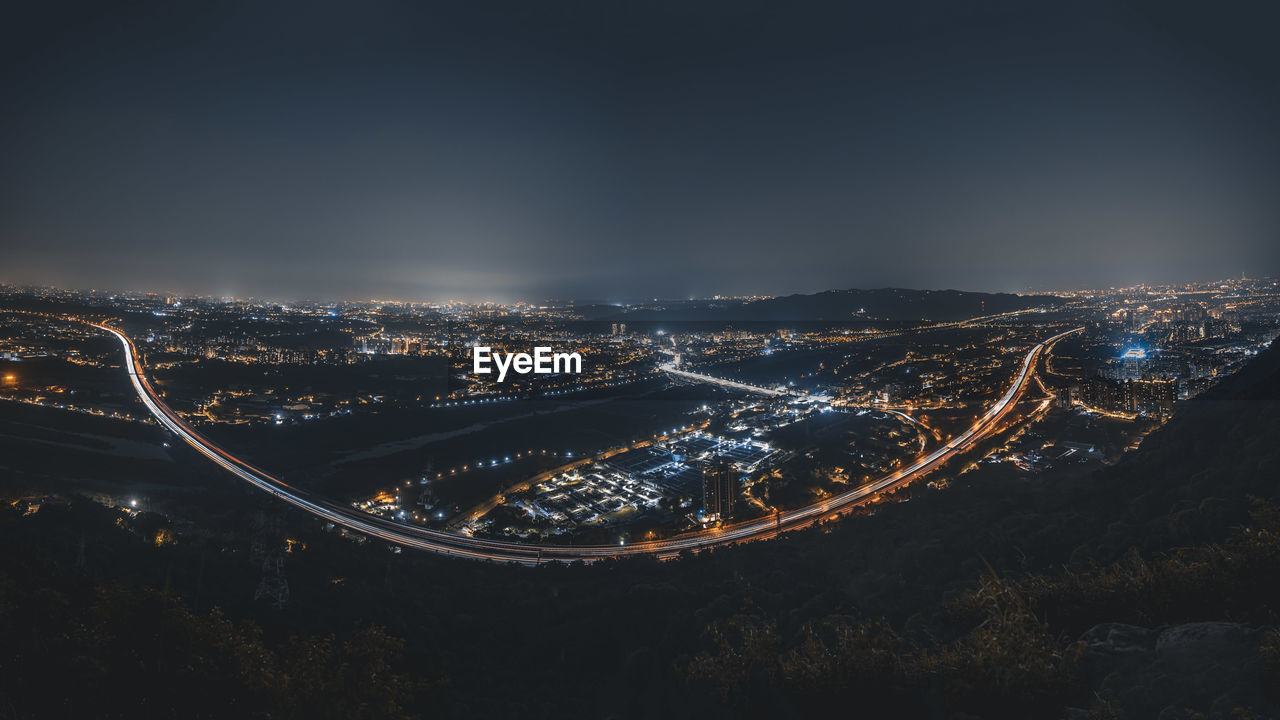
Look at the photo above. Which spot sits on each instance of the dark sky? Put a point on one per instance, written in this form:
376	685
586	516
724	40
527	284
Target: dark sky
620	150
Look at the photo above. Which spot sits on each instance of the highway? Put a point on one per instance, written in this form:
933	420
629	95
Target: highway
699	377
672	369
456	545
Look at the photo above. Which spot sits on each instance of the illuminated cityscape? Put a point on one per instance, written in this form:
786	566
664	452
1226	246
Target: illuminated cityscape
679	435
694	429
707	360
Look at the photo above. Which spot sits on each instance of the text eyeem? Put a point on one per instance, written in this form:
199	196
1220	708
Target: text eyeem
542	362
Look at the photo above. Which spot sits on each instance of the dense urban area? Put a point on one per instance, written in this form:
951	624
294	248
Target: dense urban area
689	428
672	425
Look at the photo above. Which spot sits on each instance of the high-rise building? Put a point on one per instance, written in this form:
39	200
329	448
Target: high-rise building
1154	397
719	487
1103	394
1068	396
1129	366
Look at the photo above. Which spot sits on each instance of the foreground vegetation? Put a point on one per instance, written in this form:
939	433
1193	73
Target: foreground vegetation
969	602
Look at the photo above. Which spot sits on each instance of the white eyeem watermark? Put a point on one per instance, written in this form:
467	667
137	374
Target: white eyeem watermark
543	361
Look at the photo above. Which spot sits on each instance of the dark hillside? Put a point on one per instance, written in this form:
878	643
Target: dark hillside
968	600
847	305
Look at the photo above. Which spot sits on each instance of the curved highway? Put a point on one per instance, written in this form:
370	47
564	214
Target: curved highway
447	543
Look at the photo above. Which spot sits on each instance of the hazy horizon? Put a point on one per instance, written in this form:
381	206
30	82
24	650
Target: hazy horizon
563	151
320	298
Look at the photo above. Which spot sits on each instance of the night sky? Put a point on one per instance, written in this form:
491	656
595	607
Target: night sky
623	150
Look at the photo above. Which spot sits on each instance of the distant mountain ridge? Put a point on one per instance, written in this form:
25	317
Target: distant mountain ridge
897	304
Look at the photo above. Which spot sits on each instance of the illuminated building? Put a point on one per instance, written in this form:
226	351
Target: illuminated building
718	490
1132	363
1153	397
1150	397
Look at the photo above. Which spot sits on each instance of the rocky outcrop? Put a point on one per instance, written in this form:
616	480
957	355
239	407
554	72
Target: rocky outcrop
1210	668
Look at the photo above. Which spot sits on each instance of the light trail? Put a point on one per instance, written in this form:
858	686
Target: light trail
672	369
455	545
